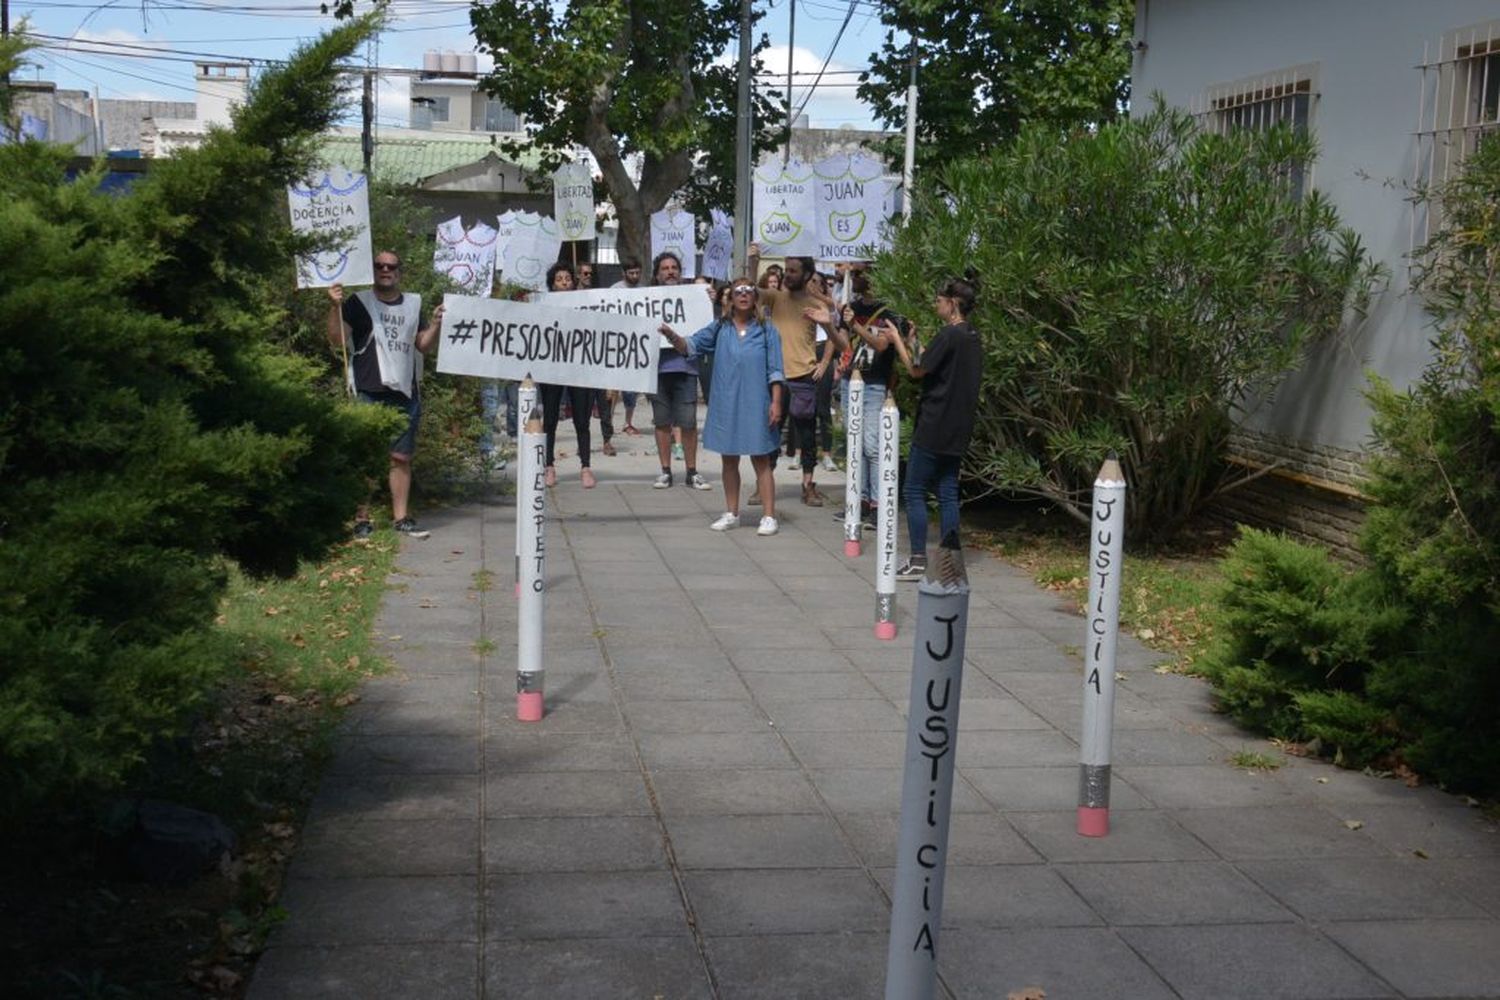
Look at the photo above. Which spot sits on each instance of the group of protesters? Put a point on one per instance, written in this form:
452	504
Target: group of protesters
766	366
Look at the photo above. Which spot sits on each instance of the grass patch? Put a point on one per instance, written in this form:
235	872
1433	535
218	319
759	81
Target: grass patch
1254	760
1165	594
75	923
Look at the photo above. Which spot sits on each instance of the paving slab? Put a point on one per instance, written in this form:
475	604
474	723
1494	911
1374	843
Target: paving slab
1253	962
1453	958
1062	961
439	971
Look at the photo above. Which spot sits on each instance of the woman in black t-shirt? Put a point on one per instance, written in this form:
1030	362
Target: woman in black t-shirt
950	370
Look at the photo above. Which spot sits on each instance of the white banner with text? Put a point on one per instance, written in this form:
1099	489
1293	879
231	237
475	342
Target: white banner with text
334	201
497	338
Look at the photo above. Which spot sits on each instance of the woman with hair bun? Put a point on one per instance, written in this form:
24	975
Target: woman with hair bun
949	369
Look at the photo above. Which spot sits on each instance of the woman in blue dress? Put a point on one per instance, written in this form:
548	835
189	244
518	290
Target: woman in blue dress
745	405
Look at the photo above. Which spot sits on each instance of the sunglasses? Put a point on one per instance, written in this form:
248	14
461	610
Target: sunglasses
381	266
744	289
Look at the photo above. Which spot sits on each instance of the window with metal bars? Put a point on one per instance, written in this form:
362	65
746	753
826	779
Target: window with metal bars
1262	102
1458	108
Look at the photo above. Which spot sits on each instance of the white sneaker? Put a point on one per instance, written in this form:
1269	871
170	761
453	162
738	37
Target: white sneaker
767	526
725	522
663	482
829	465
697	482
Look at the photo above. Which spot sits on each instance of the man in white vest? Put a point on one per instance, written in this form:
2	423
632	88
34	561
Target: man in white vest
382	330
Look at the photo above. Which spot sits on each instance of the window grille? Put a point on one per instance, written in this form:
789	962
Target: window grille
1458	108
1286	96
439	108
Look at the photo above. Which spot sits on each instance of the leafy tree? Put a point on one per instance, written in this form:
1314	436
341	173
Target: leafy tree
625	78
150	427
1138	284
986	69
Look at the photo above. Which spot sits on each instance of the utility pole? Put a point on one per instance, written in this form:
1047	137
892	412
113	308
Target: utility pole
910	166
5	33
367	114
791	50
743	146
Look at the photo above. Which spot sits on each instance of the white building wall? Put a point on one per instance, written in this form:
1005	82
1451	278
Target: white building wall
1367	84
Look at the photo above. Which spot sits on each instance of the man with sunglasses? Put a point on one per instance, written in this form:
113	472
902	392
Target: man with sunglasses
382	332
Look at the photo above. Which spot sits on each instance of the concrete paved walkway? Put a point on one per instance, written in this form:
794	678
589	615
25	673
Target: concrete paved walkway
710	807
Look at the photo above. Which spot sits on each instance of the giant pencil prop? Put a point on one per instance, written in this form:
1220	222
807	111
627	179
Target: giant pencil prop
854	455
1106	537
885	520
526	402
927	787
531	511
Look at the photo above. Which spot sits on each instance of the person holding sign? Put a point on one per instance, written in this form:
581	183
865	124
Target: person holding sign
675	404
560	278
950	370
795	309
381	334
744	408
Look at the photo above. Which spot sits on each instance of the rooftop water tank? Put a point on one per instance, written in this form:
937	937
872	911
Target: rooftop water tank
449	61
468	63
431	61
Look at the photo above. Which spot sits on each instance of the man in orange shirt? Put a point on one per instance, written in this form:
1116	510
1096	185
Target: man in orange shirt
794	310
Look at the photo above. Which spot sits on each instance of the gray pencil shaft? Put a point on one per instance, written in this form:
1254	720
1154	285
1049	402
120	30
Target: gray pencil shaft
927	791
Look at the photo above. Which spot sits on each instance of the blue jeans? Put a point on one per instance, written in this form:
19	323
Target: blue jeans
490	391
924	470
874	399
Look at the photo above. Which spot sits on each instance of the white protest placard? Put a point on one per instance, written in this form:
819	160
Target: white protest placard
573	201
685	308
505	229
850	193
498	338
467	258
893	195
675	231
534	246
327	202
718	249
786	215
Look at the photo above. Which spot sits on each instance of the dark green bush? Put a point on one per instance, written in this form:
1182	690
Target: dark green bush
151	427
1139	283
1419	627
1291	621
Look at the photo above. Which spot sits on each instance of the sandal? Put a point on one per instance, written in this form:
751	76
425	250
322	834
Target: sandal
589	482
549	476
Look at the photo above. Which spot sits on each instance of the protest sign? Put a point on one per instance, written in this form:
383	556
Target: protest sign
573	201
685	308
465	258
786	217
850	193
505	230
534	246
675	231
719	247
334	201
498	338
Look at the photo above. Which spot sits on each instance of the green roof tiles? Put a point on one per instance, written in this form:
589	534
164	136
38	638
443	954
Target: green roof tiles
413	160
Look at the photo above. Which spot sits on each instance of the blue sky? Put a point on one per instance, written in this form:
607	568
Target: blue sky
124	50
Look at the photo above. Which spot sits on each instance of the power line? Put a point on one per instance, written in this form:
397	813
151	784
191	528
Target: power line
826	60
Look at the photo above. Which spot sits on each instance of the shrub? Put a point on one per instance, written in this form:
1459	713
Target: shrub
150	429
1139	284
1291	621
